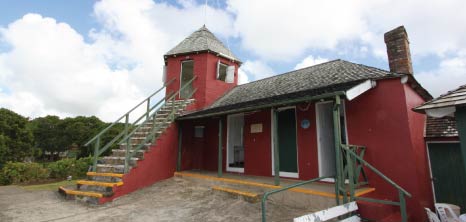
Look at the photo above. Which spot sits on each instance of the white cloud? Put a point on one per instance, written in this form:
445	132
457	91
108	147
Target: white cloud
242	77
310	61
50	69
283	30
433	26
255	70
450	75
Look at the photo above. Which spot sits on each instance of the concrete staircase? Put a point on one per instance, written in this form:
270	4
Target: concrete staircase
110	177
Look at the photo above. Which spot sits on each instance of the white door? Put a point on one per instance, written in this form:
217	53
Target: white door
235	148
326	143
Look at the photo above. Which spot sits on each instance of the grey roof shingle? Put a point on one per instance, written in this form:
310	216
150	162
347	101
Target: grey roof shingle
455	97
441	127
201	40
333	76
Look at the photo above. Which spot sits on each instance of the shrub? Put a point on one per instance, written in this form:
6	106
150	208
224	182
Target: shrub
18	172
69	167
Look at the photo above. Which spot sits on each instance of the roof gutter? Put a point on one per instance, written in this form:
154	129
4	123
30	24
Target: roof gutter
252	108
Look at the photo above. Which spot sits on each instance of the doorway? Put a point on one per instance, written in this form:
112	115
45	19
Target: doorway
287	144
325	136
187	73
235	146
325	140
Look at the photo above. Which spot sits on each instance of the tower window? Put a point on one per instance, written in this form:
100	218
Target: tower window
221	71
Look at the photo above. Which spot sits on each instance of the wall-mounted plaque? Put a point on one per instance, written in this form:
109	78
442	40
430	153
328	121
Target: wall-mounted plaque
256	128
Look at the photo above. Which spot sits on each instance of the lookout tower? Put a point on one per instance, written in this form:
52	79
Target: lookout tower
205	58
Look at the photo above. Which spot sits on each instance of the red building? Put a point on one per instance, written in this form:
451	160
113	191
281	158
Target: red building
306	118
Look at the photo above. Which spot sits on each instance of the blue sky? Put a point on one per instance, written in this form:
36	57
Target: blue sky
85	57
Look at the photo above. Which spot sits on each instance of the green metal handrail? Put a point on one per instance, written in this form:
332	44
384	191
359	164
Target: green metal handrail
151	110
151	135
267	194
171	97
126	115
98	150
350	155
358	170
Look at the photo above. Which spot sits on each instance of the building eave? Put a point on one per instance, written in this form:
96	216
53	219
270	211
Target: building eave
264	106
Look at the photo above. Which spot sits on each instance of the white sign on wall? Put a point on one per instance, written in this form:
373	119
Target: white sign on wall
256	128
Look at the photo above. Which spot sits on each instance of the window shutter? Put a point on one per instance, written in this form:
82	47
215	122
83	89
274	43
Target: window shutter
164	75
218	68
230	78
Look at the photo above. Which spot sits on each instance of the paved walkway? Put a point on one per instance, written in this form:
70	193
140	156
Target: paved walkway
175	199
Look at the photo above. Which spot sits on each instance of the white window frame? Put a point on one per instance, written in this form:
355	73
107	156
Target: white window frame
219	63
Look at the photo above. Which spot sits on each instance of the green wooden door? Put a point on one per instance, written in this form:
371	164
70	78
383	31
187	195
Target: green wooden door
448	174
287	141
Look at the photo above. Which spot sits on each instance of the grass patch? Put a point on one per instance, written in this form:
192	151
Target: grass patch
49	186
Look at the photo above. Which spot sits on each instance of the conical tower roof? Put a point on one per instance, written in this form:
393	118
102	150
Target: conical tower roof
200	41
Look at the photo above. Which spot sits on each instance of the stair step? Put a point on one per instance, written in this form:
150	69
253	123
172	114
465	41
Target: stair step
98	183
80	193
119	175
248	196
122	153
134	146
119	160
108	168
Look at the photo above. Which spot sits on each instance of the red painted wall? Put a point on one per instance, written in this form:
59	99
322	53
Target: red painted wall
258	151
417	125
202	153
205	68
159	163
257	146
307	142
381	120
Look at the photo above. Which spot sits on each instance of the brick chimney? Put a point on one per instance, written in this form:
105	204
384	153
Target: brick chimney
399	56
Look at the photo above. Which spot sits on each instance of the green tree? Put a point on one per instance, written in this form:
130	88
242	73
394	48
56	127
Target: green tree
77	131
16	138
47	134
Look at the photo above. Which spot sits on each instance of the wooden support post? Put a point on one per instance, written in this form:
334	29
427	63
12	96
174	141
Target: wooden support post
276	154
350	165
220	156
180	138
339	178
96	153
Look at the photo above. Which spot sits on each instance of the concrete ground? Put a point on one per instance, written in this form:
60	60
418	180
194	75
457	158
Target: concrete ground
175	199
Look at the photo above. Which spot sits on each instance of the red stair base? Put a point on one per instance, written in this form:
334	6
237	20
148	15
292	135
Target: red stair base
159	163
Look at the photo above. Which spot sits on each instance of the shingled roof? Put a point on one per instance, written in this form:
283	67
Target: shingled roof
326	78
441	127
455	97
200	41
